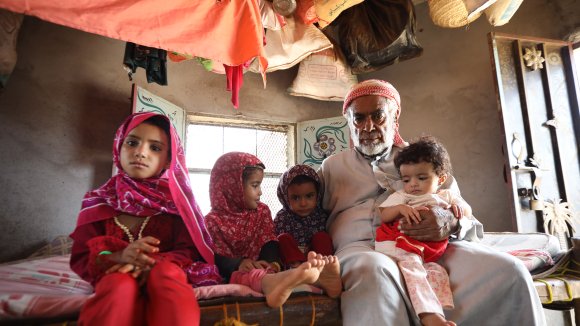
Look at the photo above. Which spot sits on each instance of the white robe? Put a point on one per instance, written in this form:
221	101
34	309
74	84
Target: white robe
489	287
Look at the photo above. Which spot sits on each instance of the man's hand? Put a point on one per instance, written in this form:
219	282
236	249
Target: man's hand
437	224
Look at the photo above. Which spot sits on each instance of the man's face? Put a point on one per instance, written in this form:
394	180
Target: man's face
371	121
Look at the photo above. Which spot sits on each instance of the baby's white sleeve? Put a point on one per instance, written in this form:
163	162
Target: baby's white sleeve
395	198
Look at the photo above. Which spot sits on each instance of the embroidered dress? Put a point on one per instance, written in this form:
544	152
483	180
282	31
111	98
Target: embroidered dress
236	230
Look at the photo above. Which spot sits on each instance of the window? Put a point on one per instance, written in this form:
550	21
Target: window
208	139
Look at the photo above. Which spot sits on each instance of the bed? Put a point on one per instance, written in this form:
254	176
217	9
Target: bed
42	289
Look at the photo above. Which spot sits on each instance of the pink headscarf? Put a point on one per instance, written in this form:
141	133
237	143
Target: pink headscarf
170	193
381	88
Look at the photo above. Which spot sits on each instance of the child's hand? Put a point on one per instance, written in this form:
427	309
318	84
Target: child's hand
126	269
410	214
263	264
137	253
457	211
247	265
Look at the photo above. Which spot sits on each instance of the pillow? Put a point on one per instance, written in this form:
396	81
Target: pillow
61	245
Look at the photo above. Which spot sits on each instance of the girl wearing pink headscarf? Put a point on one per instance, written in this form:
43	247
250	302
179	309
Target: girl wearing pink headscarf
140	238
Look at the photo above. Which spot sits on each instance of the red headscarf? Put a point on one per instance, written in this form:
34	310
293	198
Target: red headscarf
381	88
170	193
236	230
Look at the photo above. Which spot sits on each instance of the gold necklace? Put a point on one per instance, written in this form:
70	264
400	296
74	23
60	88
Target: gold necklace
126	229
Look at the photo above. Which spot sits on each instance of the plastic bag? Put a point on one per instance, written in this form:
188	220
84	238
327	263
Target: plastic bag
375	34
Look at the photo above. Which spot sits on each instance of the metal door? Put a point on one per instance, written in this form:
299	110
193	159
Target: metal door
537	91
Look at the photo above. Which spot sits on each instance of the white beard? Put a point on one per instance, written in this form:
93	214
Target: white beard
374	148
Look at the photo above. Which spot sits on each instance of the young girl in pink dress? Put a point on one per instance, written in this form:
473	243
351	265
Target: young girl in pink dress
140	238
243	232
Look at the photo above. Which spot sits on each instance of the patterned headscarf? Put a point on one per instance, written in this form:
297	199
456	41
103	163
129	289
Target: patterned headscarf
381	88
169	193
236	230
301	228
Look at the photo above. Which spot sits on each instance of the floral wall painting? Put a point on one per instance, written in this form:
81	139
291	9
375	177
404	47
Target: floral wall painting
318	139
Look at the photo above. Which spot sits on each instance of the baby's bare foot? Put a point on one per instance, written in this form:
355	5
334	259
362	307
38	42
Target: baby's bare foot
329	279
278	287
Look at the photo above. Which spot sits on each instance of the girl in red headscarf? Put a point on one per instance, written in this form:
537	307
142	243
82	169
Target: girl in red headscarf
140	238
241	226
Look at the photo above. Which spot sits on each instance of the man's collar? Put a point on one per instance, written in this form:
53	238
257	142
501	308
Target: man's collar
376	157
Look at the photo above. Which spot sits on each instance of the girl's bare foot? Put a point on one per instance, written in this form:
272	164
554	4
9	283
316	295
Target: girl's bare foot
278	287
433	319
329	279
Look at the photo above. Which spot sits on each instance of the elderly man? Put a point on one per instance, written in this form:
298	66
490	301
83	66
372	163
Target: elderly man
489	288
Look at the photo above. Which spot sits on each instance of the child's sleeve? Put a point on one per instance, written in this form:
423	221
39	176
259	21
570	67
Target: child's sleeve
270	252
227	265
394	199
88	255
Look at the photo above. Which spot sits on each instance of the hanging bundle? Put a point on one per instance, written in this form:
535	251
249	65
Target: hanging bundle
502	11
374	34
456	13
322	76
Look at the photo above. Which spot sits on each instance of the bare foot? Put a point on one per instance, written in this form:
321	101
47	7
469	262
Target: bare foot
329	279
433	319
278	287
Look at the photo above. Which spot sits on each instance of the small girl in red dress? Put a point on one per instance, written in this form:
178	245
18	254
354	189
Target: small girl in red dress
140	238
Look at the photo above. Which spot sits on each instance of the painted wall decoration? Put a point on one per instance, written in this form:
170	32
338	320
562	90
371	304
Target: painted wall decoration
318	139
145	101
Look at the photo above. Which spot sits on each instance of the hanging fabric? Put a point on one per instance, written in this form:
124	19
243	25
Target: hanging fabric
10	23
154	61
285	48
229	32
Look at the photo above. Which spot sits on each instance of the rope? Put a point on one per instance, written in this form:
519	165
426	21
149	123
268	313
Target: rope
313	311
569	269
549	289
568	289
225	308
281	315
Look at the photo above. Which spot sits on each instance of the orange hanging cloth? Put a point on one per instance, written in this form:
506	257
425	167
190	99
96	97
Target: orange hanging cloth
226	31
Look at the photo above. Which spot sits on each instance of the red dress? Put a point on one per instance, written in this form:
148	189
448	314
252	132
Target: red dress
163	295
91	239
